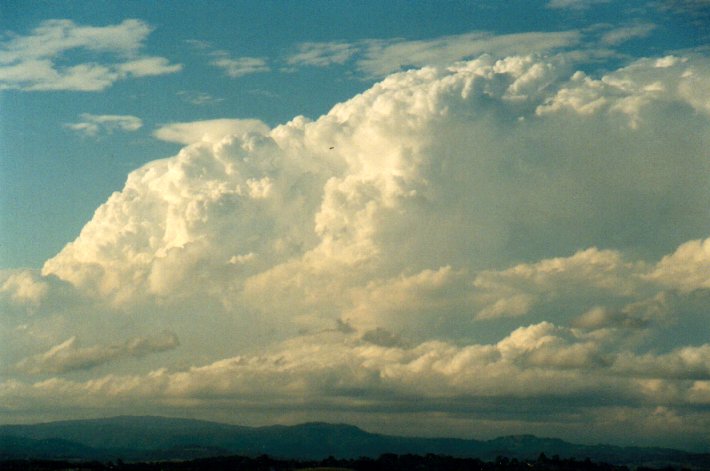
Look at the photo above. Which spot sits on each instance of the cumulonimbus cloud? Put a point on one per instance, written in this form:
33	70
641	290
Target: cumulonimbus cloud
410	149
498	228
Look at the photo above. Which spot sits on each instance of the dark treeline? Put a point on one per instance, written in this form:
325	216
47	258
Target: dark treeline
386	462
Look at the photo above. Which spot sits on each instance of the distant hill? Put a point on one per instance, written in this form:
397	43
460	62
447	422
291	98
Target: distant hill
160	438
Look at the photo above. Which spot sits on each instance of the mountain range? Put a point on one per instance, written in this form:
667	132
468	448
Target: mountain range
150	438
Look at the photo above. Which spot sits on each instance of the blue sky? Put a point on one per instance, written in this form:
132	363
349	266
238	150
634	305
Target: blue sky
469	218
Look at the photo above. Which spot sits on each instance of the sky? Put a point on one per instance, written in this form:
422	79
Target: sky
454	218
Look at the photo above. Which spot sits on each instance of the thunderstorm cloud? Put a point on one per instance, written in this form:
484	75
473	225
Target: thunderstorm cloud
501	229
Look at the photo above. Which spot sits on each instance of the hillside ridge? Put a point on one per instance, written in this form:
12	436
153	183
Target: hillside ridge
155	438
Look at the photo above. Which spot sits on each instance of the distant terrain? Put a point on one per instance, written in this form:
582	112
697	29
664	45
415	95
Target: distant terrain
152	439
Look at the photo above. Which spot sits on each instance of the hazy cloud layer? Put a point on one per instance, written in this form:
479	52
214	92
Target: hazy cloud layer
497	231
32	62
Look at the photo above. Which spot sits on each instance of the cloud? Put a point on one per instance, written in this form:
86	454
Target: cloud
514	291
23	288
213	130
687	269
198	98
424	145
34	62
382	57
337	374
696	10
456	239
574	4
322	54
198	44
691	363
238	67
376	58
92	125
148	66
68	356
232	67
631	88
636	315
406	304
626	33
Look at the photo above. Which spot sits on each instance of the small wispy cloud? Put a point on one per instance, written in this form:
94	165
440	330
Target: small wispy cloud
198	98
148	66
263	93
574	4
92	125
322	54
626	33
198	44
238	67
696	9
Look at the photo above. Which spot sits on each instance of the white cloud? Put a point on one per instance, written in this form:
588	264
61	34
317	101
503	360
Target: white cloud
687	269
240	66
213	130
92	125
33	62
